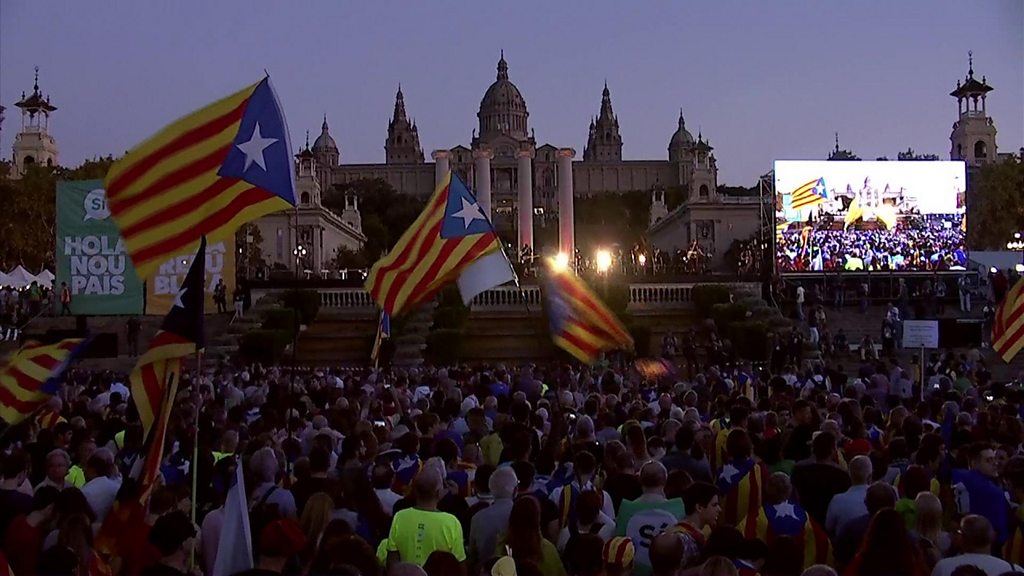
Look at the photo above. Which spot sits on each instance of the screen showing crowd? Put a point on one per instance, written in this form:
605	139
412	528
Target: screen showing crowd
867	216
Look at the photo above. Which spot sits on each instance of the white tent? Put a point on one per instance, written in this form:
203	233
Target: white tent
20	278
45	278
4	280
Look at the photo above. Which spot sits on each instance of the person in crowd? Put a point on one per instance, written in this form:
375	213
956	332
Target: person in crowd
487	523
976	541
703	511
418	531
24	535
887	549
174	537
818	480
522	539
848	505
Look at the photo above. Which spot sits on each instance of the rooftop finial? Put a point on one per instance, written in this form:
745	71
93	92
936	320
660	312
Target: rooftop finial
323	127
399	90
35	87
307	139
682	122
837	142
970	64
502	67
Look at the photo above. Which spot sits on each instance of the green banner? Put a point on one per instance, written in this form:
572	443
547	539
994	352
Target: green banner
91	256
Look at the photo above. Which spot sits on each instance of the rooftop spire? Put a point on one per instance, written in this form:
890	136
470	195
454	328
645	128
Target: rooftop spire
307	139
837	142
682	122
323	127
970	64
399	114
502	67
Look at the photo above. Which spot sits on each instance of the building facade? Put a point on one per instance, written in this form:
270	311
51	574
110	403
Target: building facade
523	181
34	144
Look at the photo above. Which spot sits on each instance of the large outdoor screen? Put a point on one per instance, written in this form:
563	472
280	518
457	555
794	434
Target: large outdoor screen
869	216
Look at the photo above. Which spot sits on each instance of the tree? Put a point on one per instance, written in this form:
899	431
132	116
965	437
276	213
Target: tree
911	155
995	204
28	228
350	259
249	242
386	214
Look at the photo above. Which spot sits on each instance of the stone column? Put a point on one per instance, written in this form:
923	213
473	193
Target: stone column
566	226
482	179
440	165
525	174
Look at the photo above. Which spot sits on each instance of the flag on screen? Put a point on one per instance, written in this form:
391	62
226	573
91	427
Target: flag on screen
1008	329
740	484
789	520
383	333
180	335
204	175
853	213
805	239
780	228
810	194
234	551
451	238
31	377
580	323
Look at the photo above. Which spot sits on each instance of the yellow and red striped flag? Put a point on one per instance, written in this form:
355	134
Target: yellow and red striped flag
30	377
204	175
740	483
580	323
451	239
1008	329
180	335
810	194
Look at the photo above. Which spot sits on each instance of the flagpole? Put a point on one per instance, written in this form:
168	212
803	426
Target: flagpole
196	394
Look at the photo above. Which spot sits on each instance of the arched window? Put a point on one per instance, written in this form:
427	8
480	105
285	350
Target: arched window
29	160
980	150
305	198
49	162
703	191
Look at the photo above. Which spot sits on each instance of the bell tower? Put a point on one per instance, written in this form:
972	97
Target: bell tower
974	133
604	143
403	143
34	145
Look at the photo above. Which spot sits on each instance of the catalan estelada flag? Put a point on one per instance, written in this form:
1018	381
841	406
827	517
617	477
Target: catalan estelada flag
853	213
204	175
451	240
580	323
788	519
31	377
383	333
180	335
740	484
1008	328
810	194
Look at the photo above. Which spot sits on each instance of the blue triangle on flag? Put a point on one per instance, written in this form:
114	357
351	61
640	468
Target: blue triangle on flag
463	215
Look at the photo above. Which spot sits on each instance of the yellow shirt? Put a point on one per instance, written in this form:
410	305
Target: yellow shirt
550	561
416	533
75	477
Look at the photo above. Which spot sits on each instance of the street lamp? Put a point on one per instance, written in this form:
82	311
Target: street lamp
560	262
603	261
642	259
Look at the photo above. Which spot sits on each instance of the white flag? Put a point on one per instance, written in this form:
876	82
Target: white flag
485	273
234	551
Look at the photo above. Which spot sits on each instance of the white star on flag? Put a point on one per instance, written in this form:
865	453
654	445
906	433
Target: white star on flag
470	211
785	509
253	149
728	471
177	298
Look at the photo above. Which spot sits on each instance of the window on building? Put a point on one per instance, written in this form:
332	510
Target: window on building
959	150
29	160
305	198
980	149
49	162
703	191
279	248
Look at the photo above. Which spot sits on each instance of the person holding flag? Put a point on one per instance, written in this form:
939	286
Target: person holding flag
383	335
154	385
741	480
30	378
780	516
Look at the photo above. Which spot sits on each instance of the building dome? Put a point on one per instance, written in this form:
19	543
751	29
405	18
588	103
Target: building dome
503	108
324	142
682	136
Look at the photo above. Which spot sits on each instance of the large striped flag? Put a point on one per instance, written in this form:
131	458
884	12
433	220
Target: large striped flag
451	239
740	484
31	376
1008	329
580	323
180	335
204	175
810	194
790	520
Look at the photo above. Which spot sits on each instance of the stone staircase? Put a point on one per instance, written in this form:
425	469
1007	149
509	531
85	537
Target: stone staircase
337	338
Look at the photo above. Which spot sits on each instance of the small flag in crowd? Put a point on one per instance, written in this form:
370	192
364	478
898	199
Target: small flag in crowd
383	333
234	551
204	175
180	335
853	213
31	377
451	239
580	324
790	520
1008	328
810	194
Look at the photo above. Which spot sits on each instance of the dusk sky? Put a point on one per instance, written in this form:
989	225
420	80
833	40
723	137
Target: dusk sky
761	80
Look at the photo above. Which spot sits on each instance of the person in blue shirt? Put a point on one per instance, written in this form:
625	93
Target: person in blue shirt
978	490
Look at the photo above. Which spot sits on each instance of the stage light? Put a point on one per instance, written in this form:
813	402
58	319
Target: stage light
993	270
603	260
1019	268
560	261
642	259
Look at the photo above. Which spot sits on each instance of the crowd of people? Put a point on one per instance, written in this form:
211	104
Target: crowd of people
18	306
926	248
713	468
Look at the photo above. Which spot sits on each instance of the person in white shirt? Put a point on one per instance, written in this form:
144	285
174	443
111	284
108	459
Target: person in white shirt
264	467
977	537
850	504
102	481
57	464
382	478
